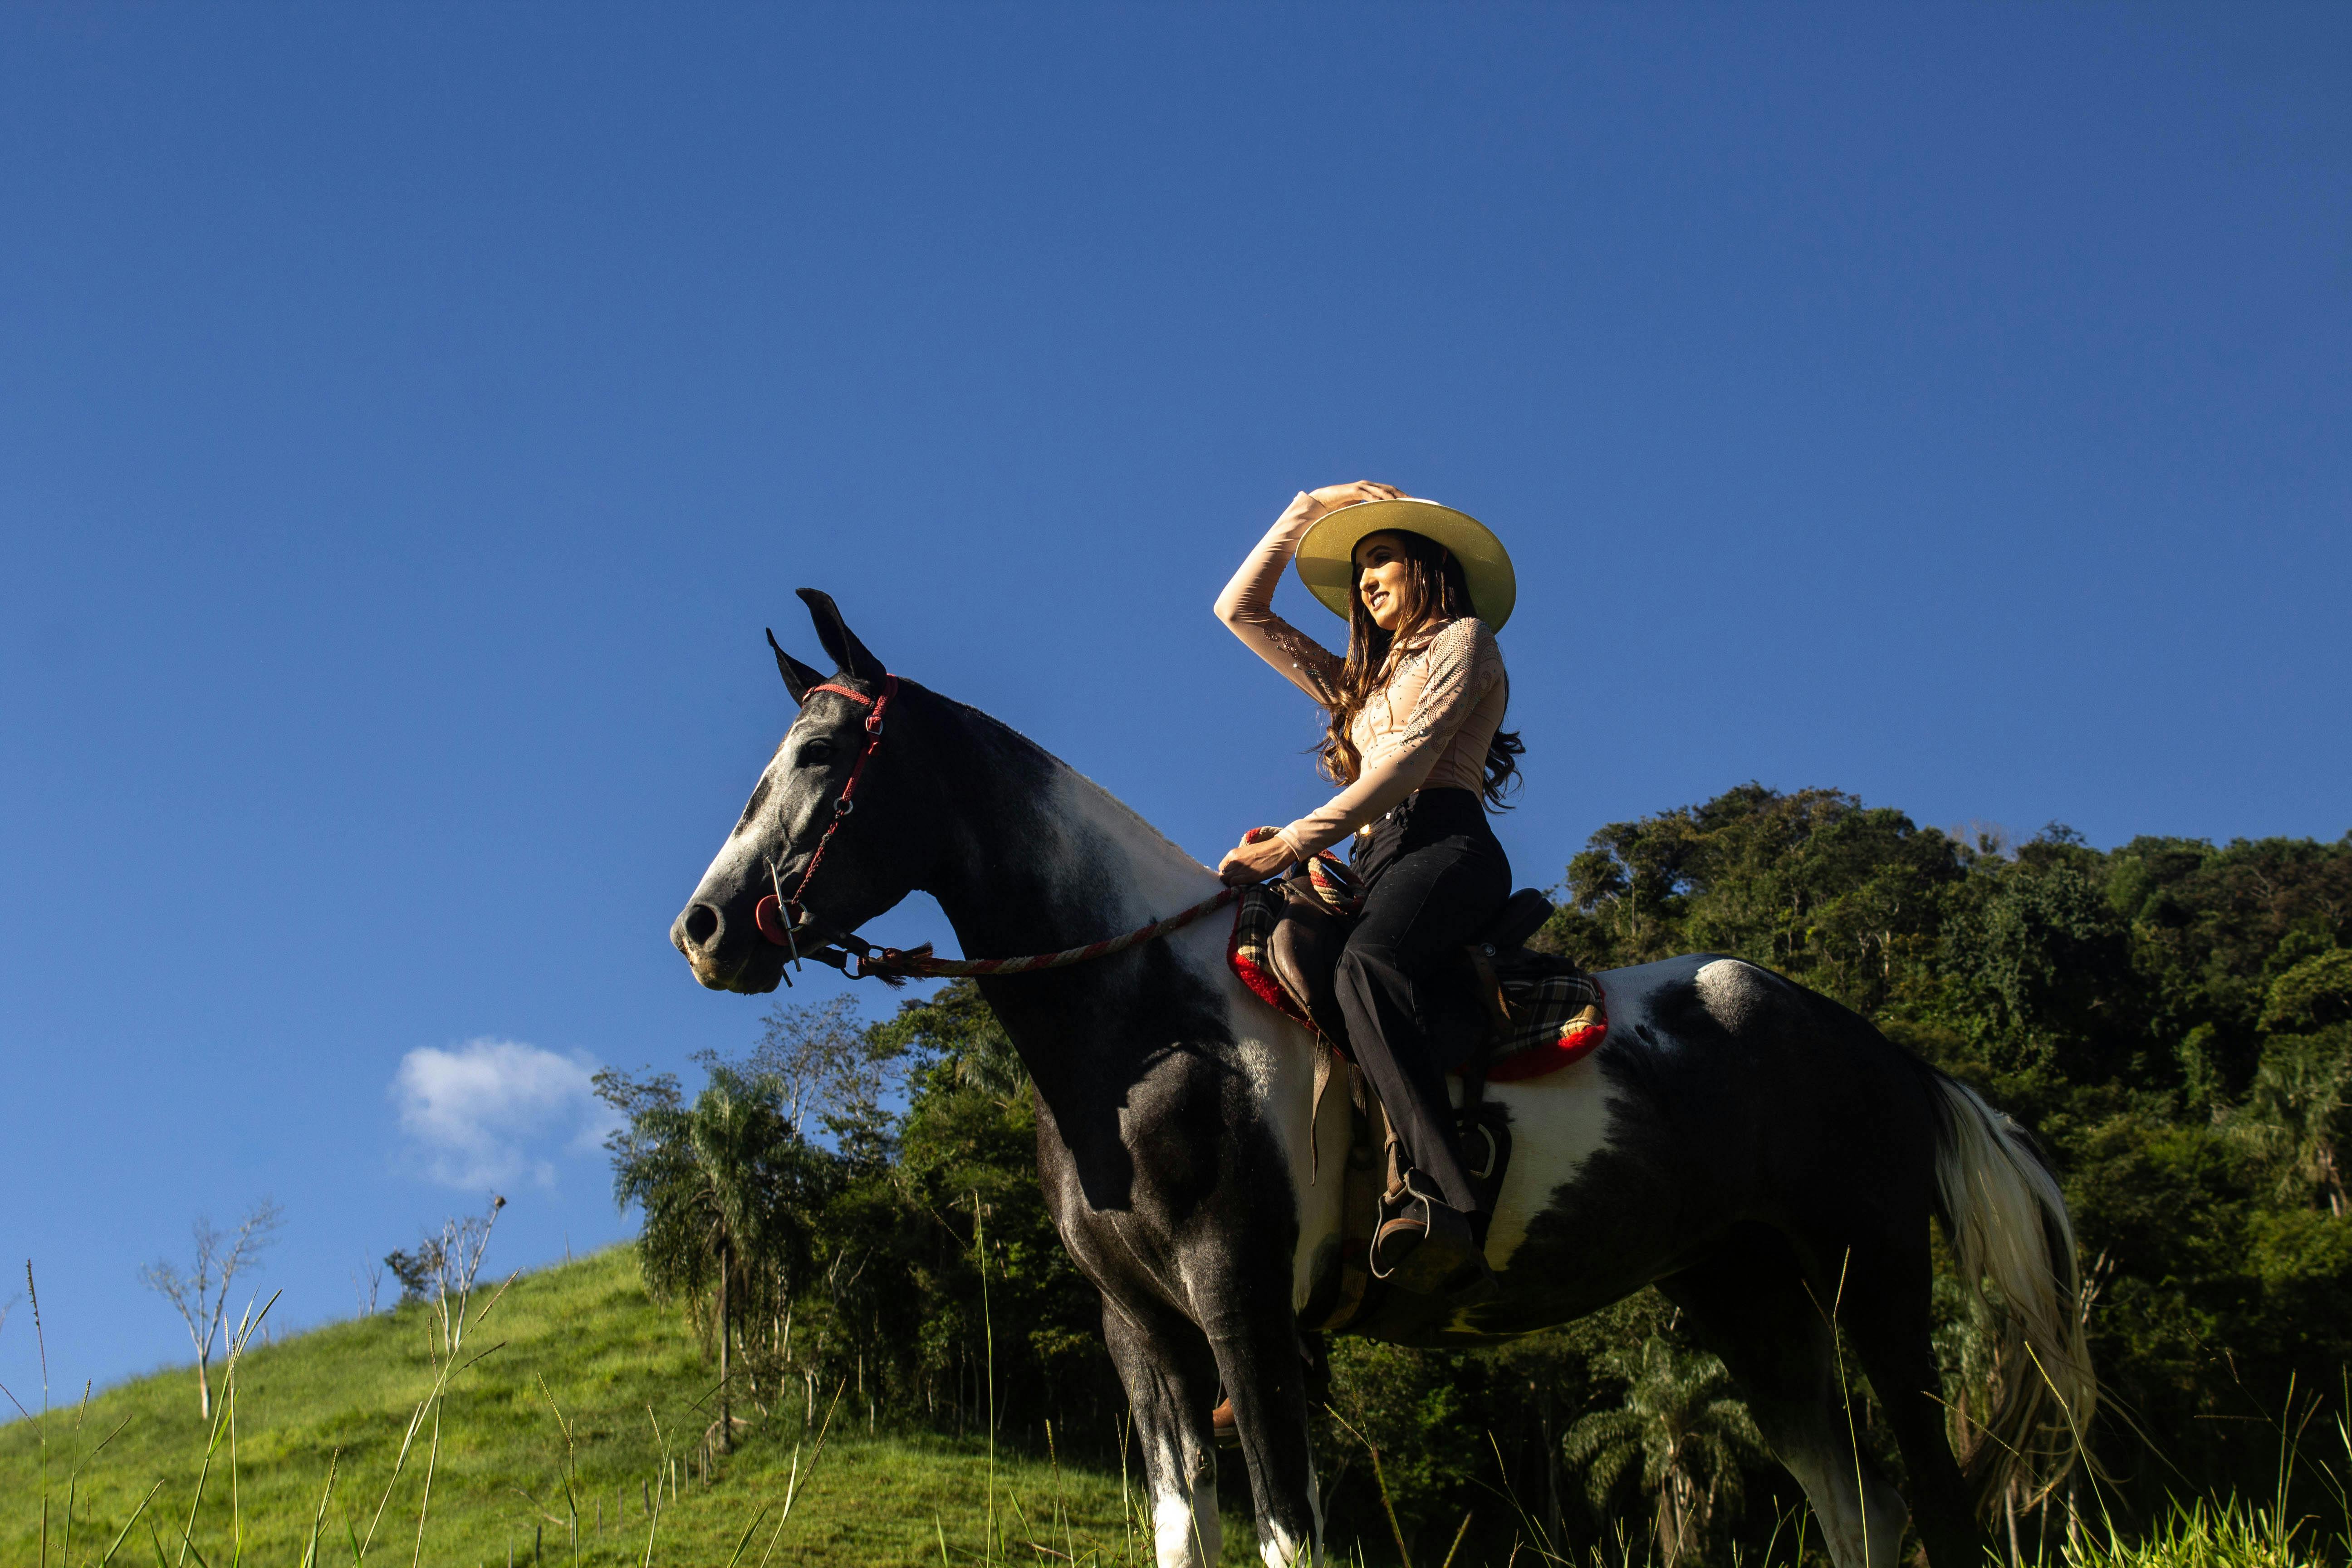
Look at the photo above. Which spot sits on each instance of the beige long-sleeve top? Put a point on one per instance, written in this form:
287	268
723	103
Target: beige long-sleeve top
1429	725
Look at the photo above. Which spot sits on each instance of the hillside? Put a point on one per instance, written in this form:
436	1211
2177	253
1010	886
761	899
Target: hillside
625	1376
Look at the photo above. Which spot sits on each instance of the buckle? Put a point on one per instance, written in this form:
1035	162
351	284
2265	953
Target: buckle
1494	1151
843	807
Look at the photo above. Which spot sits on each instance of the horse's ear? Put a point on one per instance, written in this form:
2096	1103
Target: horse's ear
849	654
798	677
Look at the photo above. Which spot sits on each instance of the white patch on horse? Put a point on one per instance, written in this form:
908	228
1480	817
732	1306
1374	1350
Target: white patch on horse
1149	878
1558	1122
1278	1548
776	821
1142	878
1186	1530
1735	994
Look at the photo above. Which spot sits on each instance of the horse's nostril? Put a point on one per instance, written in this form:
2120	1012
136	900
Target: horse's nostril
701	925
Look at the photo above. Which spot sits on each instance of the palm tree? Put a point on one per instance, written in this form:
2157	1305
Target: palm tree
2298	1112
1687	1434
2298	1109
726	1187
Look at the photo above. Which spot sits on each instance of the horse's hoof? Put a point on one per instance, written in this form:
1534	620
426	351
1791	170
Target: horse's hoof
1222	1427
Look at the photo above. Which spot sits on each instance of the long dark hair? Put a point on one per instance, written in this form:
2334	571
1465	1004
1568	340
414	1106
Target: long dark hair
1435	590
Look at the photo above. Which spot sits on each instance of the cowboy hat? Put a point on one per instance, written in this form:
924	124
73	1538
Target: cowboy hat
1327	556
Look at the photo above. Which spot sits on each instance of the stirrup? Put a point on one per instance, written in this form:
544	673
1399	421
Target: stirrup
1446	1261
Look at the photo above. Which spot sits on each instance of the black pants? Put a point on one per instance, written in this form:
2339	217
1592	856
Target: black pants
1433	877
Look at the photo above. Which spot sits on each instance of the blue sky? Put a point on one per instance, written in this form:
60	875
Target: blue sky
409	418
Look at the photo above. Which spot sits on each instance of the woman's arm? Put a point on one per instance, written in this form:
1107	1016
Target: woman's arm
1247	606
1464	666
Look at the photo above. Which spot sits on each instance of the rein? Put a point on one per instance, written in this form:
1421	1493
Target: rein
776	915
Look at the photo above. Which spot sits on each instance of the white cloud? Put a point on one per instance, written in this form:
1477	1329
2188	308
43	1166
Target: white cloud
491	1113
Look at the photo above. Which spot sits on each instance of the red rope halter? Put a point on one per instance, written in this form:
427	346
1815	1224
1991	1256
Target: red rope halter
776	916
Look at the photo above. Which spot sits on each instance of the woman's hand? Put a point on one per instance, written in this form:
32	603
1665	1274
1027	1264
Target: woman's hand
1331	498
1247	862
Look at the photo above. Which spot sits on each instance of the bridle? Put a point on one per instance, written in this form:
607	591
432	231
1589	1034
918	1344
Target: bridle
776	915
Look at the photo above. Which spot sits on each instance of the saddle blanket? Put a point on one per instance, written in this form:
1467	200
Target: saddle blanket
1554	1009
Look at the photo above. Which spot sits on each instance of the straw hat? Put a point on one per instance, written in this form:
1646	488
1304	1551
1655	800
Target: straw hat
1327	556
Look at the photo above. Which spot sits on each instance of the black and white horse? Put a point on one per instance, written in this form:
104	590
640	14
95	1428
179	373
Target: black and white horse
1762	1154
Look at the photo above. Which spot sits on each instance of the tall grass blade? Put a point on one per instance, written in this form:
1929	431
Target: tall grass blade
1404	1553
124	1532
744	1541
425	1503
40	1428
799	1477
73	1482
1457	1541
319	1519
988	1331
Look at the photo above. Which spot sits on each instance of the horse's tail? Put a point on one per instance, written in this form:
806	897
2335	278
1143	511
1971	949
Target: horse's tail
2007	1222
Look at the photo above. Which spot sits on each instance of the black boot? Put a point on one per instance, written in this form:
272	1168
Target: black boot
1430	1248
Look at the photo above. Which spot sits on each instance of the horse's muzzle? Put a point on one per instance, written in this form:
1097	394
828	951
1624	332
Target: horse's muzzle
748	963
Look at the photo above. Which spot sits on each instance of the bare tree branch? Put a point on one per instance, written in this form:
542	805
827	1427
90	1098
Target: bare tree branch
200	1293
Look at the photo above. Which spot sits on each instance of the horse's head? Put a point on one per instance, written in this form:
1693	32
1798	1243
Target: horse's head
871	862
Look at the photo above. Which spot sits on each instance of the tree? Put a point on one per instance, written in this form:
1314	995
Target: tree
446	1261
729	1191
827	1062
2298	1109
2299	1113
200	1293
1688	1436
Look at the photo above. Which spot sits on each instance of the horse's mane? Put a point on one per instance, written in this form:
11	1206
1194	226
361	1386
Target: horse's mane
989	732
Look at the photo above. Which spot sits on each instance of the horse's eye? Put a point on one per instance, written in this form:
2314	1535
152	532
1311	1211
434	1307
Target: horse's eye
817	753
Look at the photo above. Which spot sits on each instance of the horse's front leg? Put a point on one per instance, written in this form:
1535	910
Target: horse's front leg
1255	1336
1171	1384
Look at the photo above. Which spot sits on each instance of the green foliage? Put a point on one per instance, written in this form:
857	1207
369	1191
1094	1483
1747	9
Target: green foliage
726	1187
2201	1535
1681	1435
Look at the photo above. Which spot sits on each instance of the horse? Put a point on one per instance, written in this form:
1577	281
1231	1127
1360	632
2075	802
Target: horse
1765	1157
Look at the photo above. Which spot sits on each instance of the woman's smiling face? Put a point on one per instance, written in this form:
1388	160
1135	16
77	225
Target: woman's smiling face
1383	578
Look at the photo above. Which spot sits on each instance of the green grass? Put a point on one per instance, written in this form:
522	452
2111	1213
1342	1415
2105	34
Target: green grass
2199	1535
629	1381
631	1388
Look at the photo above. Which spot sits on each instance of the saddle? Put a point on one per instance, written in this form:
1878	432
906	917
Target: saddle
1525	1014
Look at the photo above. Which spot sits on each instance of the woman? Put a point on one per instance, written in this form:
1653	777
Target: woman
1415	740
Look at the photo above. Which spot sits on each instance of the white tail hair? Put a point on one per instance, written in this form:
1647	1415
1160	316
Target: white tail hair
2006	1223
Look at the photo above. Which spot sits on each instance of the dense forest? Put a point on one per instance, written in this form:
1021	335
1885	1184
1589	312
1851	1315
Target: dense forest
856	1208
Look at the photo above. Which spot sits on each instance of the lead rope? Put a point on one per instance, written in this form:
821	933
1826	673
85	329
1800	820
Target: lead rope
891	965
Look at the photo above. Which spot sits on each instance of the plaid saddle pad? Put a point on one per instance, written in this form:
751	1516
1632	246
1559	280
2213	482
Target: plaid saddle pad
1556	1012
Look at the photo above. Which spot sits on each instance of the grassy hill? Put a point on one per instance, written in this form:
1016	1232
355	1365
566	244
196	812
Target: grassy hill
626	1378
578	1371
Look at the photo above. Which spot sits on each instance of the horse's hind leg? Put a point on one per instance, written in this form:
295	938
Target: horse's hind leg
1171	1382
1749	1304
1888	1321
